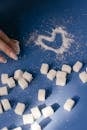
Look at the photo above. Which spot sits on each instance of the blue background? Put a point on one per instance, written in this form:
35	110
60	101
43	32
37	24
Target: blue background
21	18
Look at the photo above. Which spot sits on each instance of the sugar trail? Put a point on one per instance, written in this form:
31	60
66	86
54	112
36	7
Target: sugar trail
67	39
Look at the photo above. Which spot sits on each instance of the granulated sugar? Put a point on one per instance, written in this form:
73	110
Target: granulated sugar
67	40
72	43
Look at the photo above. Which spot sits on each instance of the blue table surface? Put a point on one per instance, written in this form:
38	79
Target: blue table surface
19	19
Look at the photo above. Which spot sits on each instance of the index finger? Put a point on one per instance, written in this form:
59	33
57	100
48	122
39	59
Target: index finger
4	37
7	50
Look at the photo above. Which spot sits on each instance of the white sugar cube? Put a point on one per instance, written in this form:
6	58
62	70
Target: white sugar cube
36	112
11	82
35	126
47	111
44	68
27	76
69	104
77	66
1	110
4	128
41	95
51	74
86	69
18	128
18	74
23	83
4	78
83	76
66	68
19	109
28	119
3	91
6	104
61	81
60	74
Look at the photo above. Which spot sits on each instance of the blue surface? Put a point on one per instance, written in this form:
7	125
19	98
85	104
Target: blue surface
19	19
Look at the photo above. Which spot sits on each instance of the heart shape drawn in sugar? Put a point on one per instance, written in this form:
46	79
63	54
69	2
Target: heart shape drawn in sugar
67	39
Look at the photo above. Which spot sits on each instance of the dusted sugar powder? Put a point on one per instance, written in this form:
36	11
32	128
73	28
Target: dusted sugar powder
67	39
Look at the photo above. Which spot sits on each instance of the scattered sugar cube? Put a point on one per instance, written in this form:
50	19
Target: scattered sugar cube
51	74
44	68
69	104
3	91
35	126
18	74
19	109
77	66
23	83
11	82
61	81
41	95
6	104
27	76
66	68
18	128
28	119
4	128
83	76
47	111
36	112
1	110
86	69
4	78
61	74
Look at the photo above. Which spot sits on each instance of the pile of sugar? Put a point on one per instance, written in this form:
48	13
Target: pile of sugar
67	40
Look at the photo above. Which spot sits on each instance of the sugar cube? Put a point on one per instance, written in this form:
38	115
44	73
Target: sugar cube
60	74
83	76
51	74
4	128
47	111
61	81
1	110
11	82
18	74
41	95
4	78
86	69
69	104
35	126
27	76
18	128
6	104
3	91
66	68
28	119
44	68
23	83
19	109
77	66
36	112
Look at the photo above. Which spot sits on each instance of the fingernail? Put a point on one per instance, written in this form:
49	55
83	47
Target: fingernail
13	56
5	61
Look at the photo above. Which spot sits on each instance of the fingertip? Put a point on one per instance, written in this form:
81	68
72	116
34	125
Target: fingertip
3	60
13	56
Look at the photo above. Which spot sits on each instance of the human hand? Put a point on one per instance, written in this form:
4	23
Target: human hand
9	46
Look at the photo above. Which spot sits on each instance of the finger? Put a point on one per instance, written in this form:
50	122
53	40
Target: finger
4	37
7	50
2	59
14	44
